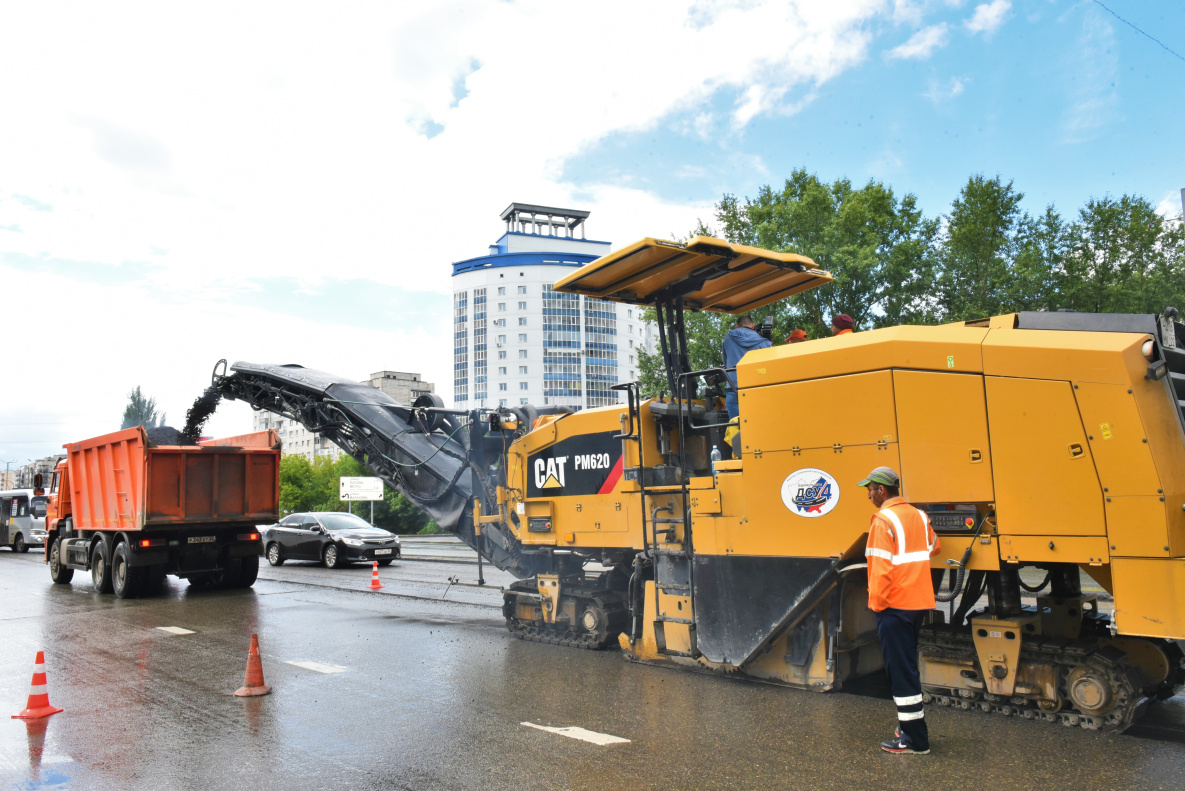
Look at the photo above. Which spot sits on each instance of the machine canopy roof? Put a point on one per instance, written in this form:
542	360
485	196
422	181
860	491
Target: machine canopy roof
707	273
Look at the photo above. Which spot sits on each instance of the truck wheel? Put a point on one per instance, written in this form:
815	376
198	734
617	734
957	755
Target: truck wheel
126	581
59	573
331	557
101	568
248	572
273	554
19	544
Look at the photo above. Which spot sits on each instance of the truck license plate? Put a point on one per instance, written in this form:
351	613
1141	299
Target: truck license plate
201	539
382	552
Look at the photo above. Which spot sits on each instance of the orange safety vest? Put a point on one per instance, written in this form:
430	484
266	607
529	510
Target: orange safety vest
843	332
900	545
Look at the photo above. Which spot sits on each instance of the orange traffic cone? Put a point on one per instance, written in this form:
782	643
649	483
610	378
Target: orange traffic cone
374	578
253	682
38	705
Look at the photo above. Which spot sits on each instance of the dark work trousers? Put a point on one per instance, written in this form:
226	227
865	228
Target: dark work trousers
898	633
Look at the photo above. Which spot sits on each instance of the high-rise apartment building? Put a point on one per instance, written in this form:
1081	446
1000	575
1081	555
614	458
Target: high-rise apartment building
516	341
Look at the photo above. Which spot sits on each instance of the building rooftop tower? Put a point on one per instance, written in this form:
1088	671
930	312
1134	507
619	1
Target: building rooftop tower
515	341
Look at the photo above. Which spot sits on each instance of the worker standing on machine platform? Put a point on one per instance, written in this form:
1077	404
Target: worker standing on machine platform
740	340
798	336
842	324
900	593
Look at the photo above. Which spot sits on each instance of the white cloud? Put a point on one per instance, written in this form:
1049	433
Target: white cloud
921	44
1092	74
939	92
988	17
1170	205
297	142
378	141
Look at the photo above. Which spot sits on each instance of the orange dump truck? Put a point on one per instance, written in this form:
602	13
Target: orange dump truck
130	512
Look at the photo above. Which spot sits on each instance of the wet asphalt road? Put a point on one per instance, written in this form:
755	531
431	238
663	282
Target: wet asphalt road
432	693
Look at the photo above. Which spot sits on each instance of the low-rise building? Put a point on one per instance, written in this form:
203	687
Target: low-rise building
296	439
23	477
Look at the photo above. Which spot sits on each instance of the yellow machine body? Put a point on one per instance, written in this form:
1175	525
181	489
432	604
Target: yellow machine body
1041	448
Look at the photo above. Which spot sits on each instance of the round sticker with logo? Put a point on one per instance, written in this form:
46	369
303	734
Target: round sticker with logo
809	492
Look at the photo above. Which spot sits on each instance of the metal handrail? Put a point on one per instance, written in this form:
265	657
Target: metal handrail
685	391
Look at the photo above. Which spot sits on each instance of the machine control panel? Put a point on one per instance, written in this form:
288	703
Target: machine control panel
958	521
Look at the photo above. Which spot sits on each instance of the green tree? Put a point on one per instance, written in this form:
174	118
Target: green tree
141	411
296	490
315	486
1124	258
878	248
978	249
1034	280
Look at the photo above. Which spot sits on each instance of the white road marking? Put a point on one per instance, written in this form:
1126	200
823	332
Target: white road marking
175	630
583	735
317	666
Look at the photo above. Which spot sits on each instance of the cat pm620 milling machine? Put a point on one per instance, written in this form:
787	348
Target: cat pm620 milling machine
1046	443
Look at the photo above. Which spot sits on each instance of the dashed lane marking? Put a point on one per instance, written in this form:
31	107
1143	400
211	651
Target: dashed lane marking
175	630
319	667
572	732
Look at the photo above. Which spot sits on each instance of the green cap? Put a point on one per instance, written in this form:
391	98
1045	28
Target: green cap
885	476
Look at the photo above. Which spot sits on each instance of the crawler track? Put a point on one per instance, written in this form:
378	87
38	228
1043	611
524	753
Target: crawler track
1068	657
612	619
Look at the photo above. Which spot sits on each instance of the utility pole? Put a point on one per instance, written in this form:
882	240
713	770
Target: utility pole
9	483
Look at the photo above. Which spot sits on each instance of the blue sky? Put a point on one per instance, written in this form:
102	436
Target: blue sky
1062	98
286	184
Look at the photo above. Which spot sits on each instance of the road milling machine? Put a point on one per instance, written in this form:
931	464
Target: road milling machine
1046	443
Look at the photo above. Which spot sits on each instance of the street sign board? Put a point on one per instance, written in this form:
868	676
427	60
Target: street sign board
359	488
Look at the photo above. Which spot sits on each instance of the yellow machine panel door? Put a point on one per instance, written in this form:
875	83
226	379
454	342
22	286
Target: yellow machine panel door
819	413
775	525
943	433
1117	439
1044	472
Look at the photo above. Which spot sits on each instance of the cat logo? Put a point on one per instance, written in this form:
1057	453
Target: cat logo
576	466
549	472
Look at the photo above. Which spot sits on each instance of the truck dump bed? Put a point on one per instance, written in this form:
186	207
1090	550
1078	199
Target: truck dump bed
121	481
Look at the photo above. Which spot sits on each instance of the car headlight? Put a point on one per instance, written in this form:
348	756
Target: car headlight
353	542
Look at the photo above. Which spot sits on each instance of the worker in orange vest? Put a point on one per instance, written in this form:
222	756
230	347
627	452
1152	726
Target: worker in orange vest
842	324
900	594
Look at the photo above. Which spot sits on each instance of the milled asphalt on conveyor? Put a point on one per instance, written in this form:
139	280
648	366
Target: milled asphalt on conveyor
432	695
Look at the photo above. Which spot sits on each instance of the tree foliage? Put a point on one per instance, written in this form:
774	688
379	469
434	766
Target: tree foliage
141	411
986	256
313	486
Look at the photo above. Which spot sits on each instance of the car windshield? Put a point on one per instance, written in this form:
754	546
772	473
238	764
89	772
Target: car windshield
342	521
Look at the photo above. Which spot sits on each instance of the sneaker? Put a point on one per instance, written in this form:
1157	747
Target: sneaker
901	746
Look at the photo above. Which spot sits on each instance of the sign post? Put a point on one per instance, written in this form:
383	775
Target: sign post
361	488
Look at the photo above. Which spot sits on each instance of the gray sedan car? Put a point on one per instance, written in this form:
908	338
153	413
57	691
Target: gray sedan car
333	538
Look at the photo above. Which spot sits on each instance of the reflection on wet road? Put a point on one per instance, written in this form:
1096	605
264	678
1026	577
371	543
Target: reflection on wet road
419	686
